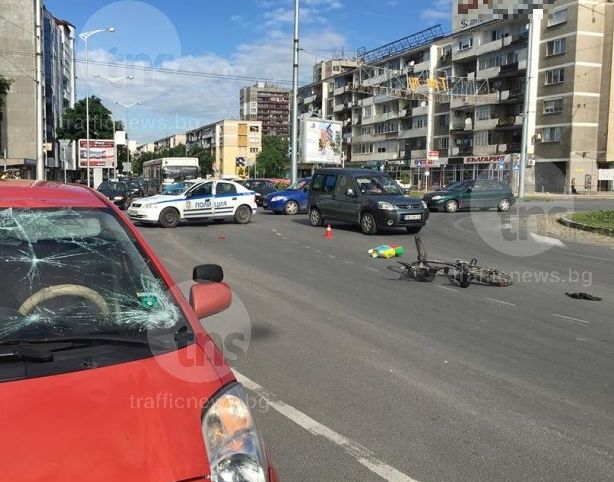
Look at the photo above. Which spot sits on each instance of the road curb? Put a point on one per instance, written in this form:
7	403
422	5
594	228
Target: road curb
584	227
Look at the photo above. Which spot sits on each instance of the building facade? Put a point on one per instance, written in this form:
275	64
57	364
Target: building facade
18	132
433	109
233	145
169	142
268	104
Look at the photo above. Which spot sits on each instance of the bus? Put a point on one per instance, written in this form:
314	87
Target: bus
159	173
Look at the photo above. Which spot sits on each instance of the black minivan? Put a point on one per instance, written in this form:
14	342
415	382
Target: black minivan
368	198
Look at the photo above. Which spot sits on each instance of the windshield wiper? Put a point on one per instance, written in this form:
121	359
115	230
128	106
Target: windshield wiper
27	351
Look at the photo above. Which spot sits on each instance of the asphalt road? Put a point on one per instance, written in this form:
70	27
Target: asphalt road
357	375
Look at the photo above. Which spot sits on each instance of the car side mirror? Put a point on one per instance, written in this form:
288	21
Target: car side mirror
306	188
469	190
208	272
210	298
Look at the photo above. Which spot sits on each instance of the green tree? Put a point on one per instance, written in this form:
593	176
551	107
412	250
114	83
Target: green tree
273	161
5	86
74	121
205	159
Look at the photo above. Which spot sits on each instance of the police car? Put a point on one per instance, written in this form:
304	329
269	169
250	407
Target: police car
196	200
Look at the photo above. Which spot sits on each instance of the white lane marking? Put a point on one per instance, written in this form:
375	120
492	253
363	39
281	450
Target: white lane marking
306	247
285	238
547	240
318	251
372	269
347	261
295	242
278	234
361	454
572	319
331	256
446	288
500	301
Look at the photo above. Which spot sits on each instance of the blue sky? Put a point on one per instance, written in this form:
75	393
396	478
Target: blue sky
235	38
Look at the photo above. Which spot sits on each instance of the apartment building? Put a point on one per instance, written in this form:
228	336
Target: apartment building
169	142
18	133
401	116
233	145
268	104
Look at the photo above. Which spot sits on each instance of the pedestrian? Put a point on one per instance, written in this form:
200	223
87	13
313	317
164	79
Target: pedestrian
573	186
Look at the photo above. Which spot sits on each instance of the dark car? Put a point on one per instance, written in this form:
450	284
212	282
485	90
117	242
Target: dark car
137	188
368	198
474	194
289	201
118	192
261	187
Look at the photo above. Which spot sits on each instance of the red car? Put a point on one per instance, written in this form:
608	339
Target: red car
106	373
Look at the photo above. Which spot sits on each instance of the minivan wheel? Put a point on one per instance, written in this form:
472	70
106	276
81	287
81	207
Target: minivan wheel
504	205
243	215
414	229
367	224
291	208
452	206
315	218
169	218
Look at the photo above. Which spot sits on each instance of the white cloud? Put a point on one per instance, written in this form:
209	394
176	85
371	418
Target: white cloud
441	10
175	103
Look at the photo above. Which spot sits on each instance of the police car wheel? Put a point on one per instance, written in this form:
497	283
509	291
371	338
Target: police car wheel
243	215
169	218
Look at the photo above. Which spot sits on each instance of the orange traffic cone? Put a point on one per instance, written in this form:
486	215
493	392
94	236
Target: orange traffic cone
329	232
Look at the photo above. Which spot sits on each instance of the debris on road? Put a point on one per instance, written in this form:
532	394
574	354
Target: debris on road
583	296
387	251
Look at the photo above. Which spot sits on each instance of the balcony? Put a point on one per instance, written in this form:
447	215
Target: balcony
464	54
459	125
340	90
339	108
509	122
486	99
426	65
512	148
420	110
485	125
488	73
494	45
489	150
418	153
457	102
380	99
409	133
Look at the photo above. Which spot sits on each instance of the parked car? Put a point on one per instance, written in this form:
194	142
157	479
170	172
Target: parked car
261	187
196	200
474	194
370	199
290	201
106	370
117	191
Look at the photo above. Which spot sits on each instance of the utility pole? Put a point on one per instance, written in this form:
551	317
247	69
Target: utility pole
40	133
294	162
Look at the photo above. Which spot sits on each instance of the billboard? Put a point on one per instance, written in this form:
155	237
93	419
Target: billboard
469	13
320	141
102	153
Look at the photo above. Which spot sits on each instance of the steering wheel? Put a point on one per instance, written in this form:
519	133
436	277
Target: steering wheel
57	291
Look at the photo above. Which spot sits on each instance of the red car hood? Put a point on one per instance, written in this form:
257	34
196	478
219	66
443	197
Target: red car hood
137	421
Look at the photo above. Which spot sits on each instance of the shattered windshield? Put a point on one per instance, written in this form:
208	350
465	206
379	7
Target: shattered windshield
77	272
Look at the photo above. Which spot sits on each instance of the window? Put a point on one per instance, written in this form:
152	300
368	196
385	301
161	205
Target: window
225	189
555	76
482	112
551	134
441	142
557	17
498	34
481	138
202	190
444	120
367	112
555	47
364	130
385	109
317	184
418	122
254	129
329	183
465	43
253	150
381	149
345	183
553	106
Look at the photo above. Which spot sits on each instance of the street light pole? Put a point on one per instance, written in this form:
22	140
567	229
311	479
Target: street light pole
128	107
294	165
85	37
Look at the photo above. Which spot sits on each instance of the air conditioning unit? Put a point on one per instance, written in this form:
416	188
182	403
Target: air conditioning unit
530	162
455	151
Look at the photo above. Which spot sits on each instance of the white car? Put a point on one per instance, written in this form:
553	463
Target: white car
196	200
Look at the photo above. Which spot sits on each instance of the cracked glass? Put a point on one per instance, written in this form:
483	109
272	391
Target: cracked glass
77	272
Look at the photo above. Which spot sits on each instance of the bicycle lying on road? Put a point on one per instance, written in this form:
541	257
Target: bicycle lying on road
459	271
